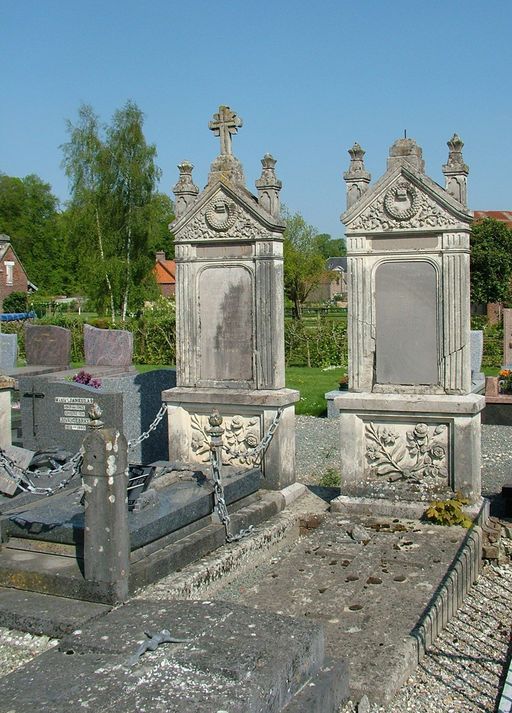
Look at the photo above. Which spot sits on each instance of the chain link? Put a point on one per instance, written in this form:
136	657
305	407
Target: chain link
161	413
262	446
220	502
23	477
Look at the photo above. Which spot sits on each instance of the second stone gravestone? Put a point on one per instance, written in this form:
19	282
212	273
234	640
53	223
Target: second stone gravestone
107	347
47	345
8	351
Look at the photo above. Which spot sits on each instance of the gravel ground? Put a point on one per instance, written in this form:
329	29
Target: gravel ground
464	670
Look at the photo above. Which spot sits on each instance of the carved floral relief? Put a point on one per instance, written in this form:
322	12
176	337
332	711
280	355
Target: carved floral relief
241	435
404	453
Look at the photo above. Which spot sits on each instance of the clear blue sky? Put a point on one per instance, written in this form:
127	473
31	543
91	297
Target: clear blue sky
308	79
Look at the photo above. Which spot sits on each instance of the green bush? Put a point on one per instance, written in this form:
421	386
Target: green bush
320	344
15	303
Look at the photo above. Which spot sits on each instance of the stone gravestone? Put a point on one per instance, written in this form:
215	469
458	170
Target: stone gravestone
47	345
54	409
409	416
507	338
8	351
477	351
229	313
107	347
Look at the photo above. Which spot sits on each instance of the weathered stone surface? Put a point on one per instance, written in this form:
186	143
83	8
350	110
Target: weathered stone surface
107	347
47	345
237	659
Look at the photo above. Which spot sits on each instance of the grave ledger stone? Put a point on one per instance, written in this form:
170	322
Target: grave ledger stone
229	313
409	412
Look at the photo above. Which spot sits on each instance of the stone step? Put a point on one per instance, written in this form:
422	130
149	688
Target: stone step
323	693
48	568
231	657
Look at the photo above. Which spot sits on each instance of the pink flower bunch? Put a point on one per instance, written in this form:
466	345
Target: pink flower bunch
83	377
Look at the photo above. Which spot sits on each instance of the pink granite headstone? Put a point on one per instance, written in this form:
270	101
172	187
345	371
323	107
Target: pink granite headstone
107	347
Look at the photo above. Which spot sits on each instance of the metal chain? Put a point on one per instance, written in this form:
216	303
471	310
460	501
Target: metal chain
161	413
262	445
220	502
23	477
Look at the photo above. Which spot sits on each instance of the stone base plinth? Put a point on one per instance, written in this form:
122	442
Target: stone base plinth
247	415
417	442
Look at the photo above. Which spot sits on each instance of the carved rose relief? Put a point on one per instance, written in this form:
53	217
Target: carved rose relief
422	452
403	206
241	435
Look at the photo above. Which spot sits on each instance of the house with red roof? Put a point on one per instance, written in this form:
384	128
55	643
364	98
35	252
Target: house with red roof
504	216
165	273
13	277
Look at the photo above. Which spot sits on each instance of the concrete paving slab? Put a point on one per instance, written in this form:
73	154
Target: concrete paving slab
238	660
45	614
372	598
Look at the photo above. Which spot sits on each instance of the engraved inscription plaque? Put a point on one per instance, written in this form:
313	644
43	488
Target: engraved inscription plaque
225	307
406	323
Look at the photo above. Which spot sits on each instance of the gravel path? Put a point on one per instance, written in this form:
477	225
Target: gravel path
464	670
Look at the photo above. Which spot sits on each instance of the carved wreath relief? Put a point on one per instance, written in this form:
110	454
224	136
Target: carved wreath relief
223	218
422	452
403	206
241	435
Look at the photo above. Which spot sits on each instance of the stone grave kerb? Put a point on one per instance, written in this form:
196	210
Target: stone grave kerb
230	310
409	323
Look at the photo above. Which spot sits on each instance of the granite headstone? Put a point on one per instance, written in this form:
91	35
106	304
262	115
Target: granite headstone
47	345
107	347
8	351
54	410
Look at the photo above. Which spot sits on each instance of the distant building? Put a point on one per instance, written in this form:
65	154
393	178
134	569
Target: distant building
13	277
504	216
331	286
165	273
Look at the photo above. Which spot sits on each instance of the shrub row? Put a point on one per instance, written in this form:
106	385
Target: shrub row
320	345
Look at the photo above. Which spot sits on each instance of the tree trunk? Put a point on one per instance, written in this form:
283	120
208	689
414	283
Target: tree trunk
107	277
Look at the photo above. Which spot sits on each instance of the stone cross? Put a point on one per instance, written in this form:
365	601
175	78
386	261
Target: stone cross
225	123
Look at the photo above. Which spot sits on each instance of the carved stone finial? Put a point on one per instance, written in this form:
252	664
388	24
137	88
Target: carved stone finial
215	419
185	189
357	177
456	171
406	151
95	414
268	186
224	124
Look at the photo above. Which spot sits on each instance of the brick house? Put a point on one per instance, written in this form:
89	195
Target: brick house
333	281
165	273
13	277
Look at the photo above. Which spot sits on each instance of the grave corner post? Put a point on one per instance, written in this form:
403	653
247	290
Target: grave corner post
106	533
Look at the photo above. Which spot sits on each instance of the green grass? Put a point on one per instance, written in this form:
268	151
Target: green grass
312	384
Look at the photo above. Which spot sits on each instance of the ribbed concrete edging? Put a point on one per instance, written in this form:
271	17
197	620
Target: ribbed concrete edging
214	569
505	704
450	594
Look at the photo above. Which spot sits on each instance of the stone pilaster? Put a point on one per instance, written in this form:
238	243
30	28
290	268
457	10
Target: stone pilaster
106	534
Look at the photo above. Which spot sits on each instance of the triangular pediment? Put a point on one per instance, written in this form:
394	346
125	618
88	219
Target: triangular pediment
224	211
405	199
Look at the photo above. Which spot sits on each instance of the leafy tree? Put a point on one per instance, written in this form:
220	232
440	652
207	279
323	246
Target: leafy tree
328	246
303	265
29	215
491	261
113	180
